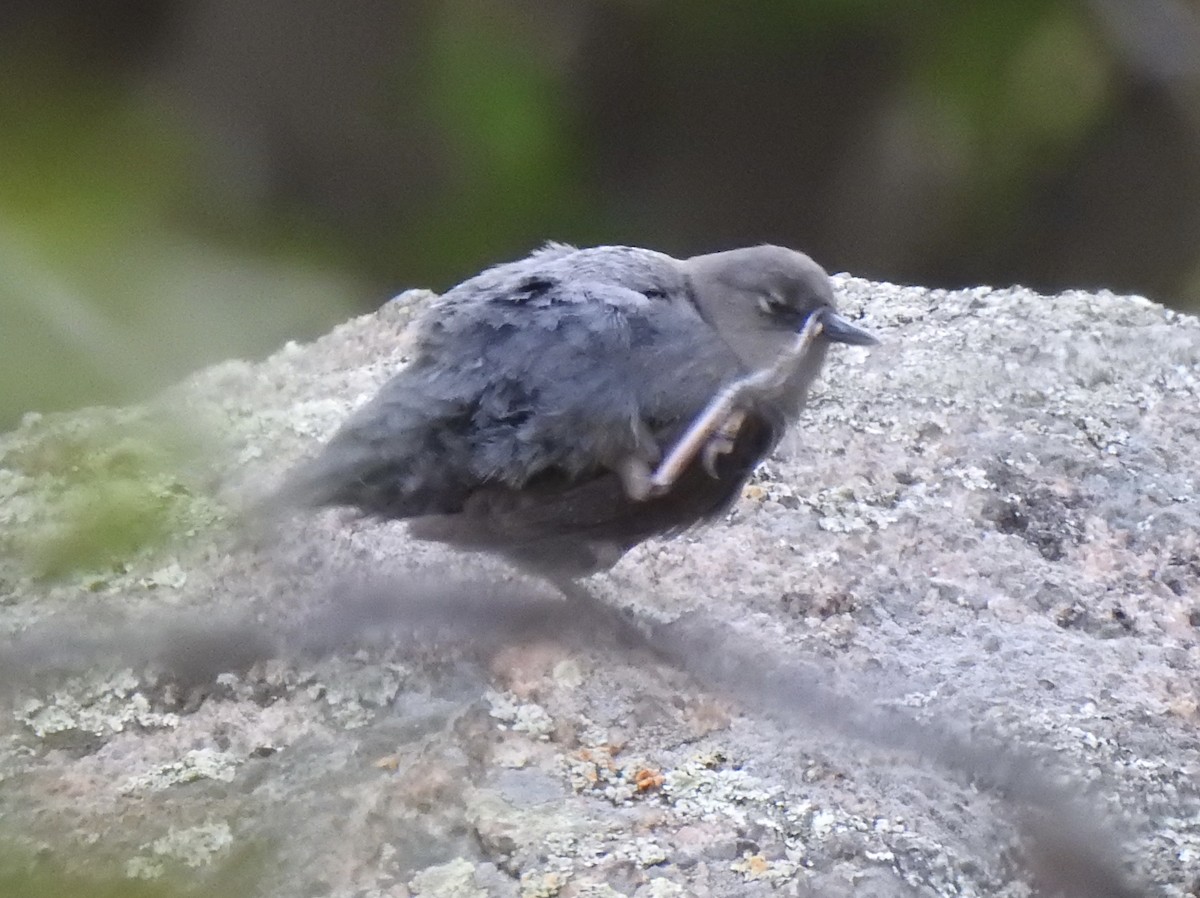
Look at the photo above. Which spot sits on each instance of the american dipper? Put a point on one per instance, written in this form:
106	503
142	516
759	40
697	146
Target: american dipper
543	392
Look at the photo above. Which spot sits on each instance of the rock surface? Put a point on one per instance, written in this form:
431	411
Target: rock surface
948	642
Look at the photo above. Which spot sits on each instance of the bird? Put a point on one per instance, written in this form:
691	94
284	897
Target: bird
541	394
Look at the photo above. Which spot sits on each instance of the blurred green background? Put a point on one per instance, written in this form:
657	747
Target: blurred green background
182	181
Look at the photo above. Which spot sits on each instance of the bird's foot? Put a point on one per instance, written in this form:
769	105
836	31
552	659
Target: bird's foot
721	442
728	404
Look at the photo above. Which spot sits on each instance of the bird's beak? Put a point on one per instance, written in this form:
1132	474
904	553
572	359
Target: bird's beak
839	330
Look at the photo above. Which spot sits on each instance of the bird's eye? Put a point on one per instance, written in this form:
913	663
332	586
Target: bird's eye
772	303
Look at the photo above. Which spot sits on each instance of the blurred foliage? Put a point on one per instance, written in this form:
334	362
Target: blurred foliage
500	106
1004	90
184	182
108	291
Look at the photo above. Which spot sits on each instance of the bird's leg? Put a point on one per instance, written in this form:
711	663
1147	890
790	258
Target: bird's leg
720	414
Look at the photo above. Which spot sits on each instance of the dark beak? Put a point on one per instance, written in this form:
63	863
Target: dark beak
839	330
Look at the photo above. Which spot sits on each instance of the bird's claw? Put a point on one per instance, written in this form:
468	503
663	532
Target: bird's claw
721	443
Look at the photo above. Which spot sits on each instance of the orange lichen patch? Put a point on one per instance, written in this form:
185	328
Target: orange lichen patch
595	765
613	747
756	865
648	778
600	754
388	762
754	492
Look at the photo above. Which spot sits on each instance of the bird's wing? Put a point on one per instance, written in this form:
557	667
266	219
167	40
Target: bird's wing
517	377
569	376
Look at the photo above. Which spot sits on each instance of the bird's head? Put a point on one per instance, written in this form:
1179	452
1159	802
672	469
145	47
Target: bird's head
758	298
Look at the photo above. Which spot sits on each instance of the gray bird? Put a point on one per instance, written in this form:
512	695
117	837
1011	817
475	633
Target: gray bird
542	392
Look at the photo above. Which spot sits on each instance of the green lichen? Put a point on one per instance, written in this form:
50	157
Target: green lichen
92	491
59	870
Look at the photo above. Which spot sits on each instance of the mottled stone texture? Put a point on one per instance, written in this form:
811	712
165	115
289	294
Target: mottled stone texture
984	536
